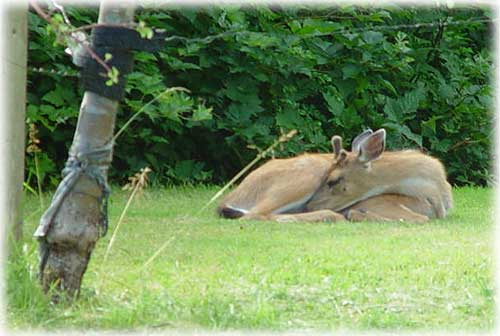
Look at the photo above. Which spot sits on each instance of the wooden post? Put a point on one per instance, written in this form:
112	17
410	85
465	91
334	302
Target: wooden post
12	130
66	247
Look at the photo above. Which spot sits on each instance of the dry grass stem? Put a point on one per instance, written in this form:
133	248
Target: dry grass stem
138	182
157	253
34	148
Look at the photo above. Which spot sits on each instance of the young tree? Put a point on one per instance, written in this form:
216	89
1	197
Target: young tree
70	228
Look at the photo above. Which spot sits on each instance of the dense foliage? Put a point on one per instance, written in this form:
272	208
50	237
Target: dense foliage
320	70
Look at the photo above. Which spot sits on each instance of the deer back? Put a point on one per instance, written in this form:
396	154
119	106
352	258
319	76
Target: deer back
278	186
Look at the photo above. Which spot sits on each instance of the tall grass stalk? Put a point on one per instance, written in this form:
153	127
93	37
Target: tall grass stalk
127	124
157	253
39	181
137	183
33	147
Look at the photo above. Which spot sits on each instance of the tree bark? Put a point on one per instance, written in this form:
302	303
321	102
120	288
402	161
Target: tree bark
75	218
12	134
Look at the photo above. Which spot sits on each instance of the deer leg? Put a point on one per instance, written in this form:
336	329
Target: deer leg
271	206
262	211
314	216
400	214
363	215
435	198
389	208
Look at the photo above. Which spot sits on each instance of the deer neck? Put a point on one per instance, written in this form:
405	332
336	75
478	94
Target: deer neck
394	175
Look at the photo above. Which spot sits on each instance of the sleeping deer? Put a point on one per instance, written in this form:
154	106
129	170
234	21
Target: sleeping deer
369	183
282	186
366	183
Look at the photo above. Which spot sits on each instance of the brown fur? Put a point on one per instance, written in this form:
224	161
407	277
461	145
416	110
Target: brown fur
278	183
392	173
414	186
390	207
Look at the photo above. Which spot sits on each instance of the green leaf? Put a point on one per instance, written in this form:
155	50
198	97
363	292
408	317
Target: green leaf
334	103
54	97
346	87
178	64
311	26
174	104
431	123
31	111
442	146
241	113
153	161
259	40
202	113
400	109
144	31
289	118
416	138
350	118
48	110
350	71
403	130
386	84
113	76
189	170
243	90
372	37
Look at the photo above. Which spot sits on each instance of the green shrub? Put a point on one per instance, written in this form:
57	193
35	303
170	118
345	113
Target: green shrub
320	70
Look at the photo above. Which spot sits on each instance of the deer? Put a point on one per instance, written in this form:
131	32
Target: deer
367	183
371	182
282	186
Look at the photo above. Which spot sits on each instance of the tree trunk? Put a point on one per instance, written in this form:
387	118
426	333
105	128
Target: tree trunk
75	218
12	133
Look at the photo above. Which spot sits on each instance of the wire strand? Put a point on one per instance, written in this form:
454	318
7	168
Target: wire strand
210	38
61	73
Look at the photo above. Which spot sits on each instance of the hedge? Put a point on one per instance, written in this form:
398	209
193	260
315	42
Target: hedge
255	72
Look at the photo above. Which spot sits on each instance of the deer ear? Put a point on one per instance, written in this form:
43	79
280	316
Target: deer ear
359	139
372	147
336	145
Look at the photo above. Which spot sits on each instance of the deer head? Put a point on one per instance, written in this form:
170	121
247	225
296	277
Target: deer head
351	178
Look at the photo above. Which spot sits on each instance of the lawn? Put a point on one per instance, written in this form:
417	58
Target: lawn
217	274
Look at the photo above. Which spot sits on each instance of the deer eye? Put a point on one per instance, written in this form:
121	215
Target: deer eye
333	183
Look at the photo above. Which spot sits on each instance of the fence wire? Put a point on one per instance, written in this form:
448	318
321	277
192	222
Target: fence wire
345	30
353	30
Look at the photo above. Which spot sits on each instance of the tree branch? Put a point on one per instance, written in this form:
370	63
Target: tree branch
98	25
70	34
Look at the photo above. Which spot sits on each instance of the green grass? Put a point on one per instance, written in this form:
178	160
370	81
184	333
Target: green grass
225	274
